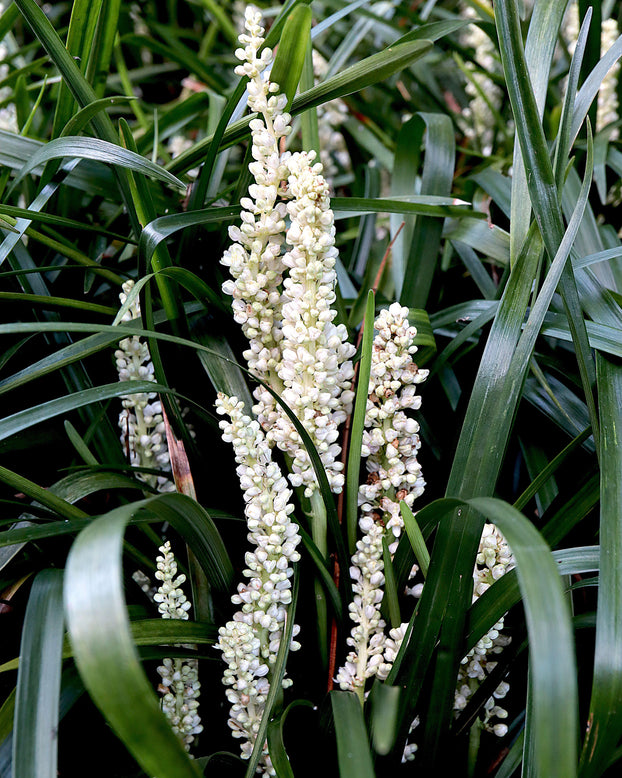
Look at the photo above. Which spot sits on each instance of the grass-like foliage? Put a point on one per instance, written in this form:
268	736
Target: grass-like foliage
310	370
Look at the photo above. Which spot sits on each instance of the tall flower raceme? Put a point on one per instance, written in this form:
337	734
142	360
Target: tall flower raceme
315	365
494	559
179	685
143	434
254	258
250	642
284	279
390	444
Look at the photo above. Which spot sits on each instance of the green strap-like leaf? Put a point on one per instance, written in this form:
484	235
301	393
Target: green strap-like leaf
21	225
101	151
358	424
474	473
552	664
188	517
605	716
323	573
41	495
416	539
602	337
165	226
309	119
145	209
276	744
353	753
564	136
384	700
491	241
224	373
505	593
105	653
193	522
276	680
154	632
57	360
290	56
437	179
541	183
471	473
21	420
56	302
35	731
84	14
80	88
552	667
592	84
390	601
536	65
426	205
371	70
101	54
61	222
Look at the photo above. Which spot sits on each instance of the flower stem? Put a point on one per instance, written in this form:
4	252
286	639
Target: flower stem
318	532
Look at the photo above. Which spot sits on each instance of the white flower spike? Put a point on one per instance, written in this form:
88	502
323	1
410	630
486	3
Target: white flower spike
179	684
143	435
250	642
283	299
390	444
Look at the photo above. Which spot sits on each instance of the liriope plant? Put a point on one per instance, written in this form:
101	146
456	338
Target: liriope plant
368	589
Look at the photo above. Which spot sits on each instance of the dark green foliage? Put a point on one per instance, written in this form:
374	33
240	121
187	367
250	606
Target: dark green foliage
129	161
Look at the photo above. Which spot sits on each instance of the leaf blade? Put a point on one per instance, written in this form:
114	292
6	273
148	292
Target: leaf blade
35	731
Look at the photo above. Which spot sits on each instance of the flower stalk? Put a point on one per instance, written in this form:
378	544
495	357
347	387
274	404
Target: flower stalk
143	432
390	446
143	436
250	641
283	282
180	684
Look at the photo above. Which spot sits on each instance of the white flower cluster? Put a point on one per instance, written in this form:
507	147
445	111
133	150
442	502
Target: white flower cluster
367	637
254	258
250	642
172	602
494	559
180	685
8	114
390	439
482	90
391	648
293	344
143	434
315	365
390	443
334	154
